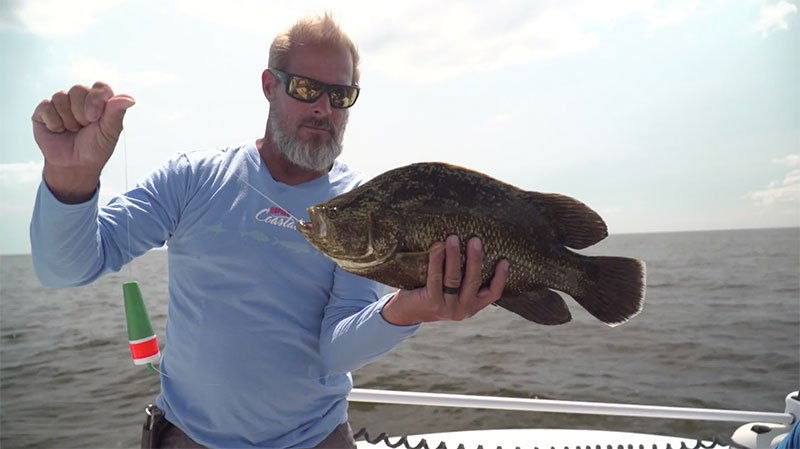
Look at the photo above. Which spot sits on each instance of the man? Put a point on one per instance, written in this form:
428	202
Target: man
263	331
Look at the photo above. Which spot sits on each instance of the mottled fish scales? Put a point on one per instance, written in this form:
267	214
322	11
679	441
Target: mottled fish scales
383	230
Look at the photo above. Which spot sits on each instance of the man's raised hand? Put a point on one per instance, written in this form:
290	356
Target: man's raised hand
77	132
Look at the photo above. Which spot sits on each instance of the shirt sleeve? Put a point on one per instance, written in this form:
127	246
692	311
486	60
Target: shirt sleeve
792	439
354	332
74	244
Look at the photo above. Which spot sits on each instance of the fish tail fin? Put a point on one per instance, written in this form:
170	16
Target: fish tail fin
614	289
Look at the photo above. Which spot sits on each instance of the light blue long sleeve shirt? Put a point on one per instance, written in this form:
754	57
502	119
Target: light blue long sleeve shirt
262	329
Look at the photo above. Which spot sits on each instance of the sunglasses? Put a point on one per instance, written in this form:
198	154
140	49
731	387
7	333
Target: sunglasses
308	90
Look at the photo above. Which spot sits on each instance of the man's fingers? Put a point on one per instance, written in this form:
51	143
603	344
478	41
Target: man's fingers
96	100
111	121
452	273
451	284
435	272
494	291
60	101
77	102
47	115
468	298
472	274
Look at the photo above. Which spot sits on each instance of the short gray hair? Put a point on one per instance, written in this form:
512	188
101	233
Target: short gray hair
312	30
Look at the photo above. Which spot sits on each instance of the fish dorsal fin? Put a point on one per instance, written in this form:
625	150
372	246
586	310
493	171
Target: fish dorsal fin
576	225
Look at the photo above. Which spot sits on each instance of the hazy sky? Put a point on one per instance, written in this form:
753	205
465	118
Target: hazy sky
662	116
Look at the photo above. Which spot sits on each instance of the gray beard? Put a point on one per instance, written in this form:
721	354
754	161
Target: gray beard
309	155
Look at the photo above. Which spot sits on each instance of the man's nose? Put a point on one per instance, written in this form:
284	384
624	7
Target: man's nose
322	107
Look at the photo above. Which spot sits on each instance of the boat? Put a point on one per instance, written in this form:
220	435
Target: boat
762	429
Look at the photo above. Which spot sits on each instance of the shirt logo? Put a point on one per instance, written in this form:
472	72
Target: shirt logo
278	211
276	217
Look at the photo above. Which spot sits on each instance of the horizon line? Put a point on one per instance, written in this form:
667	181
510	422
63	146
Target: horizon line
162	248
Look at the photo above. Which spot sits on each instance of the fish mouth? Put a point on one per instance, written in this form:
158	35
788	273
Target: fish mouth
318	230
316	227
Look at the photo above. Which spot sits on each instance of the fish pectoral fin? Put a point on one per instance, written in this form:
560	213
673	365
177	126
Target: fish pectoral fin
577	225
412	267
543	306
412	256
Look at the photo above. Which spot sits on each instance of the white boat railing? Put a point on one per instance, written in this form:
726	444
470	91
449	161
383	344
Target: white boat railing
554	406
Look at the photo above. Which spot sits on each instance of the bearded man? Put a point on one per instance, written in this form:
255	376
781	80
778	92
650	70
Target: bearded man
263	330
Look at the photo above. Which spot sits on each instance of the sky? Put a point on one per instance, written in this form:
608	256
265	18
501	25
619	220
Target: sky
660	115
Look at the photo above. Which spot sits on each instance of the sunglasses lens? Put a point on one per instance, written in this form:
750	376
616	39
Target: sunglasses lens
342	96
309	90
304	89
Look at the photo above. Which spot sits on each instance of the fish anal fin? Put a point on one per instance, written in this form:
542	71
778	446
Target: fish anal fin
543	306
576	225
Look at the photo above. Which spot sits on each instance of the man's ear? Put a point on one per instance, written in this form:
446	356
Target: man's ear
268	84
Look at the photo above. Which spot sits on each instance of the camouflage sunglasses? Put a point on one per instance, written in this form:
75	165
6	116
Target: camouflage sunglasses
308	90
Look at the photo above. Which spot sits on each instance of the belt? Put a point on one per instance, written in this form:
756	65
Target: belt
154	423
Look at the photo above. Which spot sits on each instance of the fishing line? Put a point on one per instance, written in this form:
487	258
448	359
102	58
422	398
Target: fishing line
131	292
142	312
127	210
152	367
268	198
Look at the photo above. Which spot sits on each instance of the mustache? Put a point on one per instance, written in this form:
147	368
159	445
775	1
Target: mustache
318	123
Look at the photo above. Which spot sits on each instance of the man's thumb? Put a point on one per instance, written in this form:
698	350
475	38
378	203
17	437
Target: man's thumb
111	120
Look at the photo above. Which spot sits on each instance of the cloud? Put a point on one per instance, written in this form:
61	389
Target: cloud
774	17
786	191
423	41
251	16
791	160
500	119
9	15
24	174
18	173
430	41
88	70
174	115
416	40
674	13
58	17
611	210
456	43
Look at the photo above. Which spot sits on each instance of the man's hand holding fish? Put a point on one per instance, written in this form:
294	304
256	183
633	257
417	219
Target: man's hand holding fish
446	297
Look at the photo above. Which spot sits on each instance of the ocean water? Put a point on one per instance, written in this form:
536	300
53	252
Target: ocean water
720	329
